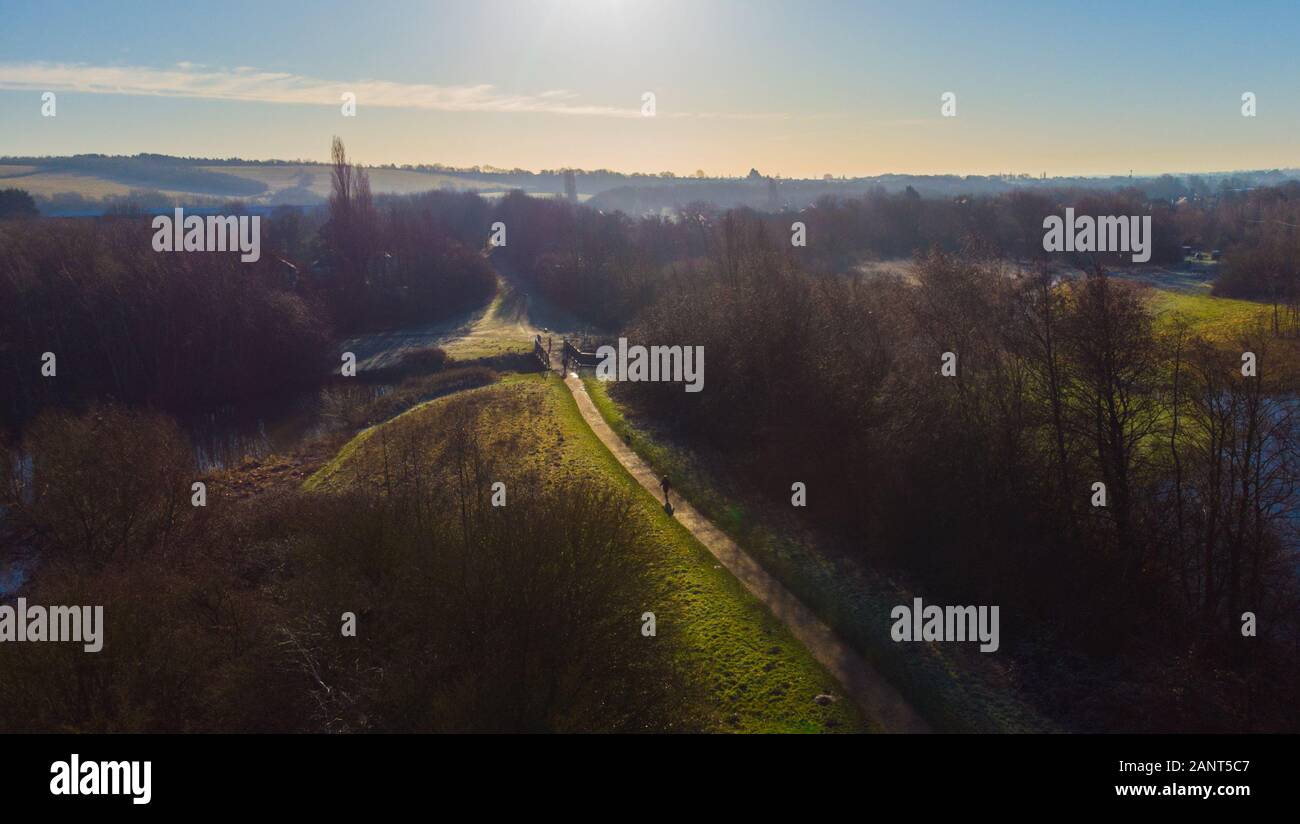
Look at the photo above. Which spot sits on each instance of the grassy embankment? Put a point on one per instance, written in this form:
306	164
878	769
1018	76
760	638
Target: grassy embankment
857	605
749	672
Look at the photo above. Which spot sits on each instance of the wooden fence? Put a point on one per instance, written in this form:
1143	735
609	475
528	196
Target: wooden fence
573	356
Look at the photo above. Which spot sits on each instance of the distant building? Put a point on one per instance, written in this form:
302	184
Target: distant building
570	186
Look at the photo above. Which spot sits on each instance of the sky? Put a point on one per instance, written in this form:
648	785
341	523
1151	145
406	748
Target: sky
797	89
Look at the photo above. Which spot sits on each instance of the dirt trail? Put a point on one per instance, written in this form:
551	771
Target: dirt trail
872	693
507	324
500	327
510	323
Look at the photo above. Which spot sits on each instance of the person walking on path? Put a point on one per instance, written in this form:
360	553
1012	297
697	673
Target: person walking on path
666	485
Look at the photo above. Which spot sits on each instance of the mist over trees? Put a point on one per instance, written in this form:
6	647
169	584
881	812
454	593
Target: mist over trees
187	331
604	266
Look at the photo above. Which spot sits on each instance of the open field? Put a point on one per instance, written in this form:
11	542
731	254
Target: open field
1188	278
300	184
316	179
47	184
1220	319
1225	320
14	171
750	674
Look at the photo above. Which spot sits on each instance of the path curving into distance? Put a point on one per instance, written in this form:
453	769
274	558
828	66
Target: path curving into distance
511	322
875	696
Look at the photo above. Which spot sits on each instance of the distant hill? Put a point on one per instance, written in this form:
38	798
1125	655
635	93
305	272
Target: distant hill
772	194
84	184
87	184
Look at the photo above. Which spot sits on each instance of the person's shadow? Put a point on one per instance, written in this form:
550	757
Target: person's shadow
668	507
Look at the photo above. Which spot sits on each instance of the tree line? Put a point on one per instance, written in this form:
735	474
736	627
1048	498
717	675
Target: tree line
981	485
187	331
605	266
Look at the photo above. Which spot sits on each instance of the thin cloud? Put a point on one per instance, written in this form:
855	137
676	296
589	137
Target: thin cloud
245	83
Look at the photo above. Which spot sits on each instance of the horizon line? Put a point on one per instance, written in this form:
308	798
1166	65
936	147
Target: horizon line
491	169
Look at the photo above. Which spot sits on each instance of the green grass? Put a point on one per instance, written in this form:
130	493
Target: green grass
1220	319
855	603
1223	321
502	327
749	673
491	335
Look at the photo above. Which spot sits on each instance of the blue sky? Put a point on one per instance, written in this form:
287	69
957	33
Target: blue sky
792	88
